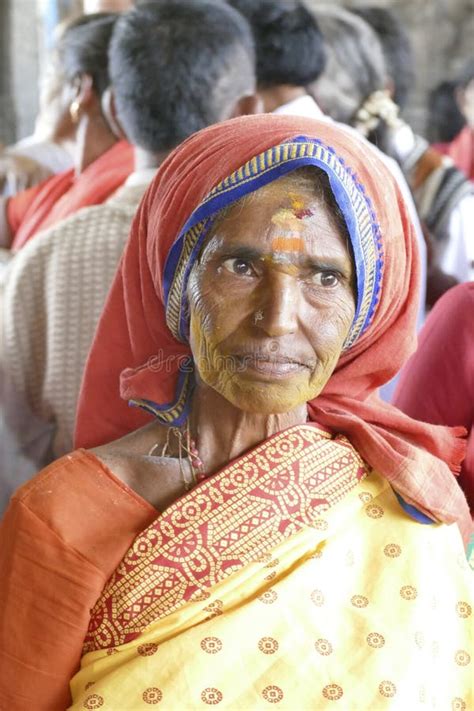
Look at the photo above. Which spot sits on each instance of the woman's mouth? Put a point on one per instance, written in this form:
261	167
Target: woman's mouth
269	367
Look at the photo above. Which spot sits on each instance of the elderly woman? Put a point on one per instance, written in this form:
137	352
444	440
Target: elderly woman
275	520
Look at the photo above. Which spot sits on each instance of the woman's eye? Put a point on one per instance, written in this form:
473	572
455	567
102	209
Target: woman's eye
327	279
239	266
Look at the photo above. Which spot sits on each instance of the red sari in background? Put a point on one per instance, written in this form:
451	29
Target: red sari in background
461	151
437	385
61	195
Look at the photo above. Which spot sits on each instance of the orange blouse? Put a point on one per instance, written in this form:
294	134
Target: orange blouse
61	538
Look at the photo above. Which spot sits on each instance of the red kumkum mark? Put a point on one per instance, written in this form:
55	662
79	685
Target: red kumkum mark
301	214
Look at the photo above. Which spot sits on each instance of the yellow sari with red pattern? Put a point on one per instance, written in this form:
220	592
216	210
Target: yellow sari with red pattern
295	579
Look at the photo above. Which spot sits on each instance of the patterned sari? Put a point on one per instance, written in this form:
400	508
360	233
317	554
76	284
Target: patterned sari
293	578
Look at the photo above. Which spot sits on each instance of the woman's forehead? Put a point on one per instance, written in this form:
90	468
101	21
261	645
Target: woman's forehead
285	202
286	216
306	183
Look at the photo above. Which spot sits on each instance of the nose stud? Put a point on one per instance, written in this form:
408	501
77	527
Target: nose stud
258	316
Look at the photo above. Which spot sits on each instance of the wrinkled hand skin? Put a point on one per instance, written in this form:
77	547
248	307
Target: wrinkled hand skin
18	173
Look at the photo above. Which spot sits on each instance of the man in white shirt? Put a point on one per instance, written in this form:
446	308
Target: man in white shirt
290	54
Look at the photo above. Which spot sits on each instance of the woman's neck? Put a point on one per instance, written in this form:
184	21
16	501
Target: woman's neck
93	138
223	432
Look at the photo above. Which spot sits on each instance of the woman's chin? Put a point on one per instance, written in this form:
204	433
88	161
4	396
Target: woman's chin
269	399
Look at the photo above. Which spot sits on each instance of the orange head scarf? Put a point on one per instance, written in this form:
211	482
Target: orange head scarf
141	338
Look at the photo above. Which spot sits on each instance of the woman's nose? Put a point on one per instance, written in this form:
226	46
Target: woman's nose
278	304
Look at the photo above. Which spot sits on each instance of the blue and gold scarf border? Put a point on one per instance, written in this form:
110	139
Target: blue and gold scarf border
350	195
172	414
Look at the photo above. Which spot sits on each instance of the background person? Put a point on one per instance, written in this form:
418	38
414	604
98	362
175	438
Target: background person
56	287
48	150
101	162
290	54
461	147
397	50
437	384
445	119
339	88
356	91
443	196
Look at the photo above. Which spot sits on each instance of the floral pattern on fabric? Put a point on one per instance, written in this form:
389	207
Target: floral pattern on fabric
229	520
413	649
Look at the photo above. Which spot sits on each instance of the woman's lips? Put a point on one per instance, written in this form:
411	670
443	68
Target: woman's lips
268	367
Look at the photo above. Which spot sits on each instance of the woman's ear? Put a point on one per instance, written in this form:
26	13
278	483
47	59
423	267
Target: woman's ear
109	111
84	90
83	97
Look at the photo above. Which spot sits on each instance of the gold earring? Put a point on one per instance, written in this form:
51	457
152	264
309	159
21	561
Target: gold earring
74	111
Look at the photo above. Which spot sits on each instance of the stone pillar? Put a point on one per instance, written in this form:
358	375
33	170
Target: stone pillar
24	65
26	34
7	112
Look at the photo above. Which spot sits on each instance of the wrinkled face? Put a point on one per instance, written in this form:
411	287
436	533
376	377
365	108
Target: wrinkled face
272	299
